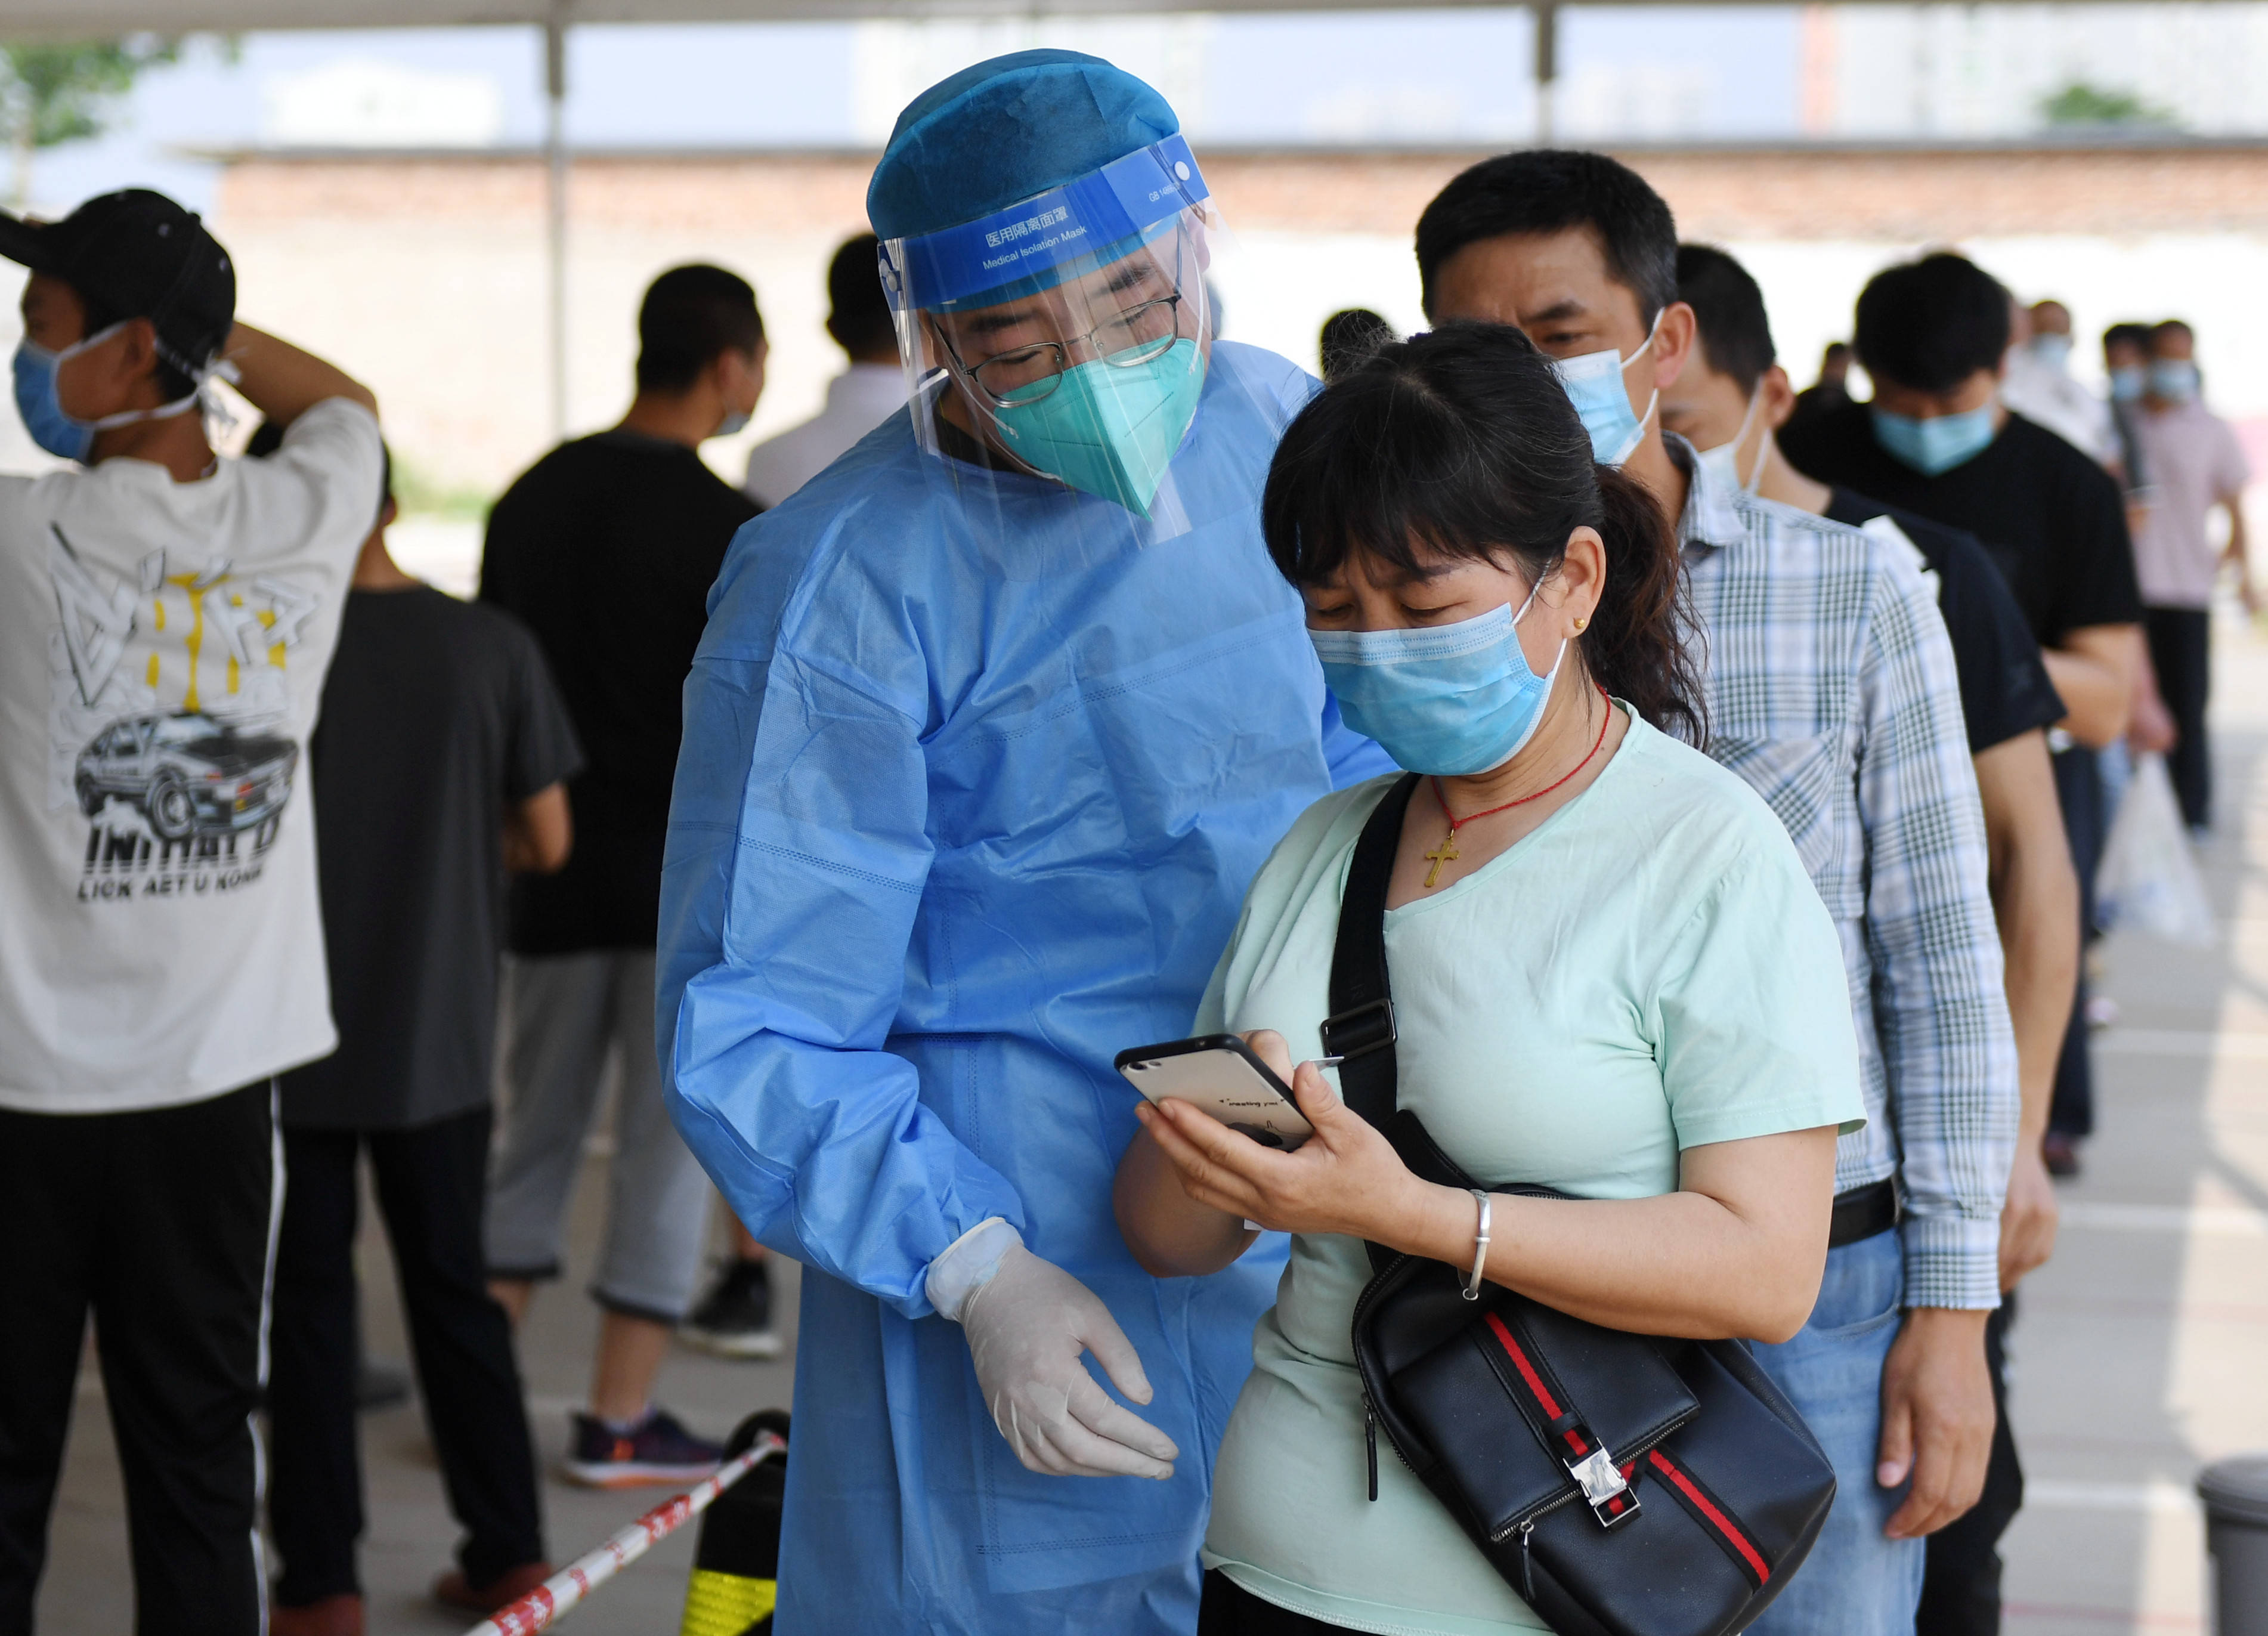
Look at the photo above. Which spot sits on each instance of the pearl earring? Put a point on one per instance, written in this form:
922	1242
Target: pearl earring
1580	620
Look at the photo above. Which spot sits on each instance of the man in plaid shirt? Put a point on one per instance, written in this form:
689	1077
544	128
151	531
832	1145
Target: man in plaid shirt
1832	689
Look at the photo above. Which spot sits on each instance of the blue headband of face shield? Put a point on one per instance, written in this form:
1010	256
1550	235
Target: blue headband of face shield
1037	244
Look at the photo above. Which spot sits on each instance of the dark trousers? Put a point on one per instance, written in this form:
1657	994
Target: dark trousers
1961	1587
430	1182
2181	652
2078	790
1229	1610
156	1223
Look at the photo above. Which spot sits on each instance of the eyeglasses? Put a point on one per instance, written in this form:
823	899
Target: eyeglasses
1141	335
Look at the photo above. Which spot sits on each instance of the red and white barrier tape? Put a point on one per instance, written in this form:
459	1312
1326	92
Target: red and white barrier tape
578	1579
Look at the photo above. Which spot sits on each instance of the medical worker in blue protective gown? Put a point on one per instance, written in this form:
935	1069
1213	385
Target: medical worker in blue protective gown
992	723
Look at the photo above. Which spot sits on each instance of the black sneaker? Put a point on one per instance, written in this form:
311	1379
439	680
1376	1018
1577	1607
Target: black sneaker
657	1450
735	1319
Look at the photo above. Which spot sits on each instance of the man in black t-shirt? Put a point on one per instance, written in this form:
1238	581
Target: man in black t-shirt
1936	440
607	547
440	763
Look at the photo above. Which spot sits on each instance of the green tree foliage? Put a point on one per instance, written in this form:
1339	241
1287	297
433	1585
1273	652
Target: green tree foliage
54	91
2080	103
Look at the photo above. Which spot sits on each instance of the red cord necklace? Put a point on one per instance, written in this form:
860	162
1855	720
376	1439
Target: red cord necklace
1447	853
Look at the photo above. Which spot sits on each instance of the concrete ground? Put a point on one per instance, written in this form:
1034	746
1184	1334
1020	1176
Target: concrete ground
2142	1354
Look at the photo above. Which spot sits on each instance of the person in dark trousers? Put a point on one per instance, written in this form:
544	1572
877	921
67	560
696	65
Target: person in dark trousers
2198	468
1937	440
605	548
438	766
1728	400
167	616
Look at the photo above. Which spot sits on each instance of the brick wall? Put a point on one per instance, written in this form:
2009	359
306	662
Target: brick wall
426	275
1895	196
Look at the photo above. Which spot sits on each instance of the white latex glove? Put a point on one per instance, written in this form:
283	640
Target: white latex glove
1028	1325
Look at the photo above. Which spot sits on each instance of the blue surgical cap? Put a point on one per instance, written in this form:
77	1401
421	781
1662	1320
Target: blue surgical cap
1006	131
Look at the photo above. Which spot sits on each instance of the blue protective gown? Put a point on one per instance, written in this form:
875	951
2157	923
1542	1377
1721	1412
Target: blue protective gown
976	771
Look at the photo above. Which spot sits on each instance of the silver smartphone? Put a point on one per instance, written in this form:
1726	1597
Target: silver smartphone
1219	1073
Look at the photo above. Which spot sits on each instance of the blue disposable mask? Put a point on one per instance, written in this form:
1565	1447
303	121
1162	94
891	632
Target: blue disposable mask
1454	699
1594	385
39	400
2052	350
2128	382
1108	430
1937	445
2173	380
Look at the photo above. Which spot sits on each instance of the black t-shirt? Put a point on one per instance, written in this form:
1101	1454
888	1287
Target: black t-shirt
2005	688
2051	519
607	547
437	715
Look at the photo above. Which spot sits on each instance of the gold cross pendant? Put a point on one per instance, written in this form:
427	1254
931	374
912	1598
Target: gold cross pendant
1445	853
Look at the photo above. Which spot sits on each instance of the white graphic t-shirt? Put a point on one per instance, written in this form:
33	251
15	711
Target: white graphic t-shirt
162	651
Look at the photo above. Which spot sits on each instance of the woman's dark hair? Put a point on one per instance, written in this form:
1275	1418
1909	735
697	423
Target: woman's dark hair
1350	336
1461	443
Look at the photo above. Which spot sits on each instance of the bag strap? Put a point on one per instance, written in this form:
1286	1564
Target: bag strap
1360	1028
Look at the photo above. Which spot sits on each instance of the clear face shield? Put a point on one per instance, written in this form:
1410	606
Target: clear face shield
1067	338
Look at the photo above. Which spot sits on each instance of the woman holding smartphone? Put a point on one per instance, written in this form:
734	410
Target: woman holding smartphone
1611	976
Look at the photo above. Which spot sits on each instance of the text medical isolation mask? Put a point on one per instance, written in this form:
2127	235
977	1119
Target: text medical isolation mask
1937	445
1594	385
1452	700
1111	430
39	400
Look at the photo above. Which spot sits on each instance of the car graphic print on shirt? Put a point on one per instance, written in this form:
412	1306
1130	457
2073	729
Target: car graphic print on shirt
168	721
188	774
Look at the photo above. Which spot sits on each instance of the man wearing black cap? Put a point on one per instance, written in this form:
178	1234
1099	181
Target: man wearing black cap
166	620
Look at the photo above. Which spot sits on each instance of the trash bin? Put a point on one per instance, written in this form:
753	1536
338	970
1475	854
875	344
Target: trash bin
2236	1495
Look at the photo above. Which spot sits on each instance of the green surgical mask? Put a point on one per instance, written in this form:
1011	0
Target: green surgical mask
1111	430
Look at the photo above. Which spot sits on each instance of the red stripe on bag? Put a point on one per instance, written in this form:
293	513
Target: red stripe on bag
1534	1380
1707	1507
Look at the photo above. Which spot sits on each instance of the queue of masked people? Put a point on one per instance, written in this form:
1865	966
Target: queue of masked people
1590	856
1059	718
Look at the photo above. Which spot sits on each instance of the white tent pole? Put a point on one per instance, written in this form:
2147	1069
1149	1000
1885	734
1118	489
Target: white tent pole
1547	67
555	153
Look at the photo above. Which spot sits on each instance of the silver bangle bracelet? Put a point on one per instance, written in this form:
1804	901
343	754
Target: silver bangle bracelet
1472	1289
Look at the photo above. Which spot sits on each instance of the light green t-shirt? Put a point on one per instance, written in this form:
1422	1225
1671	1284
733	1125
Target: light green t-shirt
1650	971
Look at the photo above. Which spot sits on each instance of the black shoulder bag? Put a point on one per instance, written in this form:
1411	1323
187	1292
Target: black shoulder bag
1624	1485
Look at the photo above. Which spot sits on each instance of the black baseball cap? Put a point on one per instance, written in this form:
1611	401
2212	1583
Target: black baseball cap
136	253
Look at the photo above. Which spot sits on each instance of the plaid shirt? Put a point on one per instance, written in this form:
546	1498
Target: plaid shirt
1831	691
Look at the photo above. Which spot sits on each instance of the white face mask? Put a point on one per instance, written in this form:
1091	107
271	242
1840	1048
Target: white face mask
1723	461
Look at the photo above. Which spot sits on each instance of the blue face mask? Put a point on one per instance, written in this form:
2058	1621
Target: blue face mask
1594	385
2173	380
1937	445
2128	382
39	400
1108	430
2052	350
1454	699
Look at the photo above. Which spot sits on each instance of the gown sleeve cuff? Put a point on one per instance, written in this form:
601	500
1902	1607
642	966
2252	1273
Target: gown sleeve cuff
968	1264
